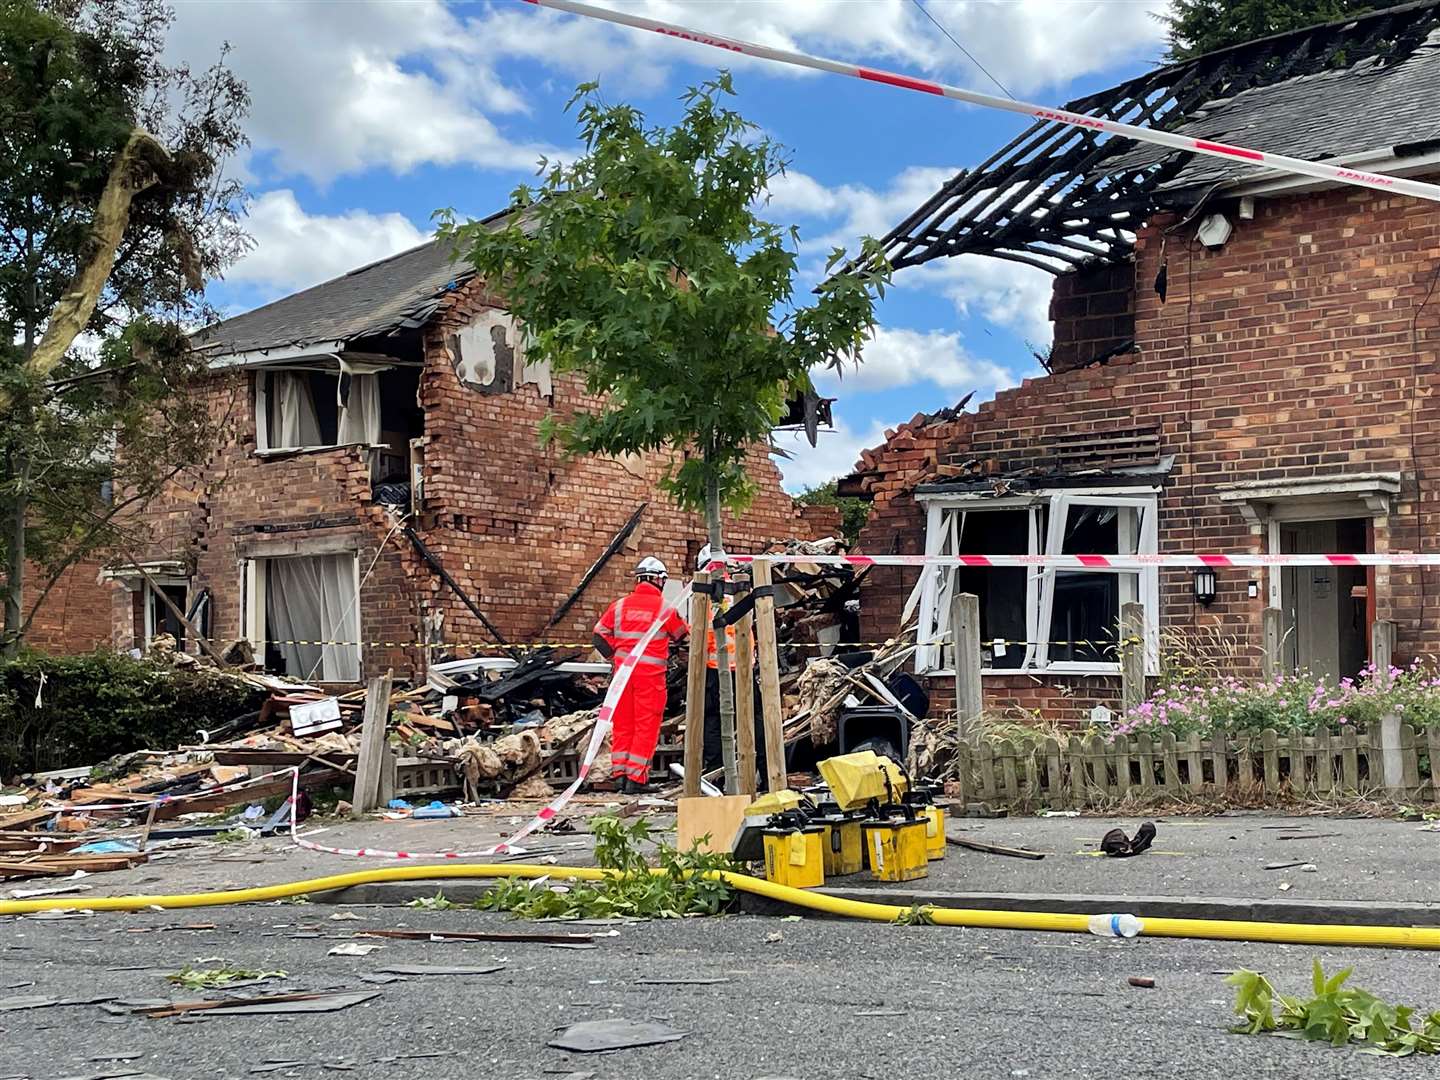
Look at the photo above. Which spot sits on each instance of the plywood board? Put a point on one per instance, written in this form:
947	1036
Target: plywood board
717	816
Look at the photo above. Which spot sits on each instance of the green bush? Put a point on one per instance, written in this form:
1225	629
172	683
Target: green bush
105	703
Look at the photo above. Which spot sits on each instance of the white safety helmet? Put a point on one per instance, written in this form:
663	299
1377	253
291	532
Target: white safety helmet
702	561
651	567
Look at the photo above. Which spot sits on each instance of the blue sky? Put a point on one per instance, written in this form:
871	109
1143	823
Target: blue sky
368	116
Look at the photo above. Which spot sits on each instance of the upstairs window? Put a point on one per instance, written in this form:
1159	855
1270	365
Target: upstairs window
1033	618
312	408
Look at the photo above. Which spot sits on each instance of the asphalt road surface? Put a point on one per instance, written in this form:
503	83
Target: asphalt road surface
808	999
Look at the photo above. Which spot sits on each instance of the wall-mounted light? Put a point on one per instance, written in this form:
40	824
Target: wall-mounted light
1205	586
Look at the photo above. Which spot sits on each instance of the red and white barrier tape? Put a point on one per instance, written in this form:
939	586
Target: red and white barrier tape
548	814
1099	562
1259	158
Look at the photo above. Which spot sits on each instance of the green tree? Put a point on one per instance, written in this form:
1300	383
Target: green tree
853	512
1201	26
644	266
114	210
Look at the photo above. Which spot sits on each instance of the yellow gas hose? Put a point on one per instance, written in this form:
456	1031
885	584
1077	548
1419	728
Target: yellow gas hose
1394	937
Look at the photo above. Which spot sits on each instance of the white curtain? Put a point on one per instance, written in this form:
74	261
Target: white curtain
312	598
360	412
294	411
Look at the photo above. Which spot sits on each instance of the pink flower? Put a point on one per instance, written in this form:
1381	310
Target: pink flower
1343	720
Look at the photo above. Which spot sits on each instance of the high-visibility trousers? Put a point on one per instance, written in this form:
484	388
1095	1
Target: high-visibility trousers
636	725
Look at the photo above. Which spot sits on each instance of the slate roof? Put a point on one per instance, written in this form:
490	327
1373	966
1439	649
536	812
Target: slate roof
1057	196
377	299
1370	106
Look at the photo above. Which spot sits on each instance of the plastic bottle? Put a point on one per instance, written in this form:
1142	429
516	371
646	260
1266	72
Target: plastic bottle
1126	926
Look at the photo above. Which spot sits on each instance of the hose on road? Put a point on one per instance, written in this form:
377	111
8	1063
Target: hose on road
1394	937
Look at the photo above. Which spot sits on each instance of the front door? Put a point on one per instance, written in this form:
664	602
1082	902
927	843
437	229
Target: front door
1324	606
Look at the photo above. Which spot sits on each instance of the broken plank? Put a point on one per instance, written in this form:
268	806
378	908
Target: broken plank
995	849
494	935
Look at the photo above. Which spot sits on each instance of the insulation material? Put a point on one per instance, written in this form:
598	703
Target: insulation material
818	684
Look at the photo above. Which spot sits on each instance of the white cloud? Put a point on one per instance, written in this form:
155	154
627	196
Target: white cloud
337	88
835	455
1027	44
1008	294
294	249
899	357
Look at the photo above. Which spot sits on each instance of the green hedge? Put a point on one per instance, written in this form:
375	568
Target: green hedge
105	703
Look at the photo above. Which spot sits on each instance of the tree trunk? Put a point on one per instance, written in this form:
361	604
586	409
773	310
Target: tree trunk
15	558
722	654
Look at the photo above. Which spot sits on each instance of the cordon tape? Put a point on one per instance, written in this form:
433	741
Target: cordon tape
1259	158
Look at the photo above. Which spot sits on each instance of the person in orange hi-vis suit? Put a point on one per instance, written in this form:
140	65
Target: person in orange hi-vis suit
641	708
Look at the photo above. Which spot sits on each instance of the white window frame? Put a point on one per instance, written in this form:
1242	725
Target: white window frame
953	509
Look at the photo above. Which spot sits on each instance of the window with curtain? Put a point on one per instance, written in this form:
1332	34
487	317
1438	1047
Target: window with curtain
312	617
299	409
1034	618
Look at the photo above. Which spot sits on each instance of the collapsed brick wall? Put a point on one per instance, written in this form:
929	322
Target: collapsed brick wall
1301	349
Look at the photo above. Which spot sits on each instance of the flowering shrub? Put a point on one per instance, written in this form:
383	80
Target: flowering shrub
1232	706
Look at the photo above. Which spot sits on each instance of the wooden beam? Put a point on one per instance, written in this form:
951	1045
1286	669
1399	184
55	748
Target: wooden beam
695	689
372	745
775	776
969	693
745	704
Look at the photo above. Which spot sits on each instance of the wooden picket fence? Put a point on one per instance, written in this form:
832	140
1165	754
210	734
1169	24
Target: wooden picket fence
1095	771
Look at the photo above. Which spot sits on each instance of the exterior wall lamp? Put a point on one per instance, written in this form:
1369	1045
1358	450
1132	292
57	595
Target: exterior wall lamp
1204	586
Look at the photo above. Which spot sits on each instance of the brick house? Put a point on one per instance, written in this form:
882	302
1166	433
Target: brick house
1243	361
400	391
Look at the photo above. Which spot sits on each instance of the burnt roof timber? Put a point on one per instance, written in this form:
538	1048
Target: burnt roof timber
1050	182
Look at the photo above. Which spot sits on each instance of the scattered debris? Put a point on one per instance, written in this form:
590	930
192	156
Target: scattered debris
1284	865
423	969
353	948
595	1036
217	978
1144	982
328	1001
995	849
1119	846
681	980
491	935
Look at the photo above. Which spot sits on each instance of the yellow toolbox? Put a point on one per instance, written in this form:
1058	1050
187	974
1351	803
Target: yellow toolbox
842	845
934	819
896	849
795	856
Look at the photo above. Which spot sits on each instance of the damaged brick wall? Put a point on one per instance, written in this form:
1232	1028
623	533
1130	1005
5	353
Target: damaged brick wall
1093	309
1304	348
240	505
518	524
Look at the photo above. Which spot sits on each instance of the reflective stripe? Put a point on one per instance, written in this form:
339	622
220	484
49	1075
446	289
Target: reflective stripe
642	658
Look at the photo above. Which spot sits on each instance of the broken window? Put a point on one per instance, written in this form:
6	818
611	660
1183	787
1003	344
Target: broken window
305	609
1034	618
314	407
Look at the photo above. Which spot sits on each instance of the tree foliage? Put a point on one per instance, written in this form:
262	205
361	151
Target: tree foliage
854	513
77	79
1201	26
644	266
